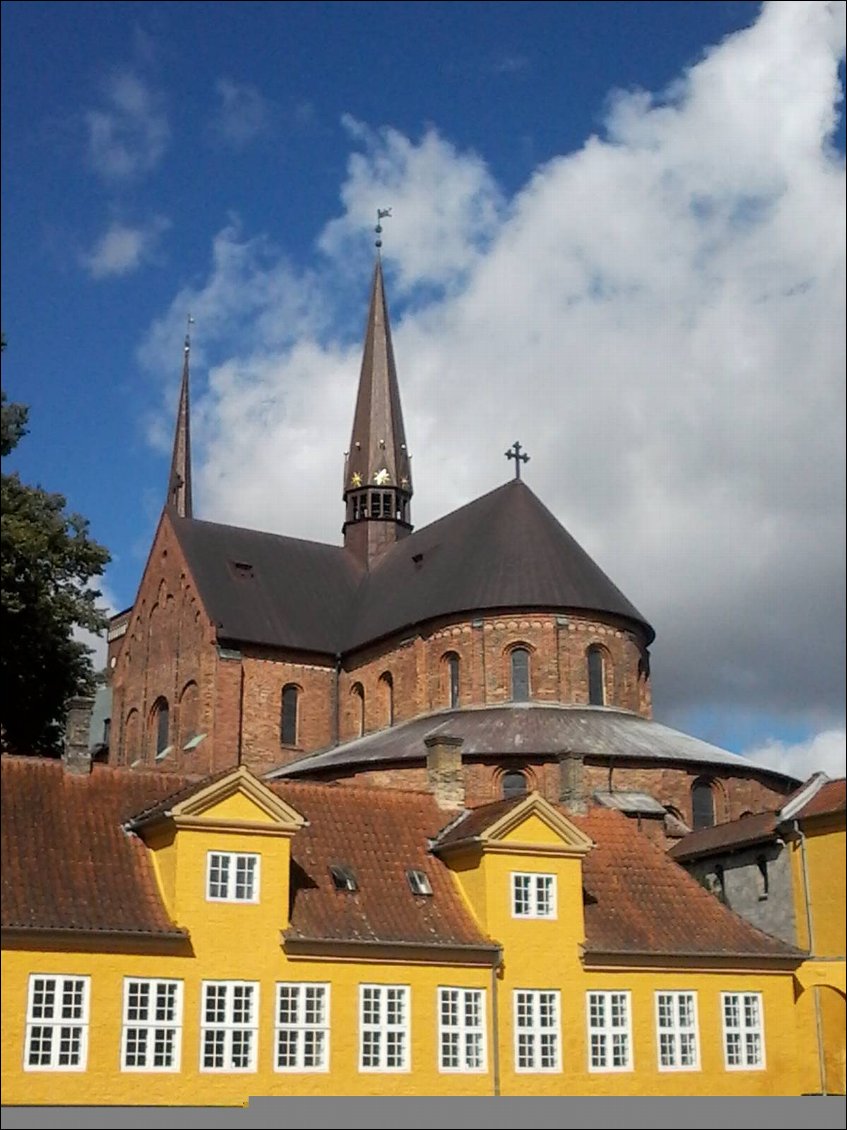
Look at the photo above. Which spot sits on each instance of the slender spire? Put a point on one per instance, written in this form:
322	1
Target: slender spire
179	483
377	472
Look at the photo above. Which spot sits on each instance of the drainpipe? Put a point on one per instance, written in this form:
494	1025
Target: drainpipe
807	902
495	1024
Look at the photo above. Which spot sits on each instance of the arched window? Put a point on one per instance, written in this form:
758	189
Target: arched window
161	725
596	676
131	747
520	674
386	684
358	693
702	803
452	661
189	713
288	715
513	783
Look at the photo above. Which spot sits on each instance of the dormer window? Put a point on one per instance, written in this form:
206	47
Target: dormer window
232	877
533	895
419	882
343	878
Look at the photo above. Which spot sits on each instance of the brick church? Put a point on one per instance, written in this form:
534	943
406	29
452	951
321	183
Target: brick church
482	656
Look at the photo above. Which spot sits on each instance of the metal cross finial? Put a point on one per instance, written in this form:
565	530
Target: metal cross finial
514	452
381	214
189	324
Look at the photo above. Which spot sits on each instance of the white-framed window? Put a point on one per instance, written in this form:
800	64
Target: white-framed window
609	1035
461	1030
383	1028
152	1025
533	895
232	876
676	1031
537	1030
302	1027
229	1026
743	1031
57	1019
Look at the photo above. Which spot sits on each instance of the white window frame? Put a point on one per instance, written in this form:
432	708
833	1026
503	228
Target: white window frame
464	1026
307	1027
677	1030
743	1031
530	1037
231	878
44	1018
155	1024
609	1033
384	1028
533	894
229	1027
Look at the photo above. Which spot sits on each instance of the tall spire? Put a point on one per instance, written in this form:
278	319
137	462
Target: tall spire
377	472
179	483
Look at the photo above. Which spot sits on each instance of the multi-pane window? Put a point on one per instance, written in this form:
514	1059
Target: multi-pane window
232	877
229	1026
461	1029
537	1030
384	1028
152	1025
743	1030
533	895
676	1031
302	1027
609	1038
57	1024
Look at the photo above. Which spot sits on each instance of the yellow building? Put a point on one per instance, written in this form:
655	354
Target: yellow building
232	939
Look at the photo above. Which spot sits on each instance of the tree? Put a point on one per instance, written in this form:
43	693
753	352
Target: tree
48	561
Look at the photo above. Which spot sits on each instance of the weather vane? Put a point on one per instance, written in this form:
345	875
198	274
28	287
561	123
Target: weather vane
381	214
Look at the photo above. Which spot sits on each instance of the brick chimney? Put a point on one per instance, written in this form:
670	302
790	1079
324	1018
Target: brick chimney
444	772
76	756
572	782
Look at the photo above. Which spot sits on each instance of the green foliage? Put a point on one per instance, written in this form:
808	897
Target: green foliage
47	562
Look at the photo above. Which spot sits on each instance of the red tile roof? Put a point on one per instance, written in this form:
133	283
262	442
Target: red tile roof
67	862
830	798
744	832
638	901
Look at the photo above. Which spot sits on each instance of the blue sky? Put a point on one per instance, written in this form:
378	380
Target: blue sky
617	234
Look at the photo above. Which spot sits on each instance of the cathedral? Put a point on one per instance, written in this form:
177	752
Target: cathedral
487	643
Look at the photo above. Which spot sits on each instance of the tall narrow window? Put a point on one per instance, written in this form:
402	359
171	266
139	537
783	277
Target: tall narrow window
453	677
743	1031
302	1027
461	1029
520	674
152	1025
676	1024
57	1024
229	1026
702	803
609	1040
386	684
288	716
596	677
383	1028
537	1034
358	694
161	725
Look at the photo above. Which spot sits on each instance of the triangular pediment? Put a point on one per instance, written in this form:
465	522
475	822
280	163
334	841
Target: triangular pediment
530	824
240	800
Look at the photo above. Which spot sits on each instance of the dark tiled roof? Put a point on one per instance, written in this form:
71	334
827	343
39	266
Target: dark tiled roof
266	589
504	550
638	901
513	729
379	835
67	862
744	832
829	799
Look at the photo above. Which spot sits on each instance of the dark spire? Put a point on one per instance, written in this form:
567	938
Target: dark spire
377	472
179	483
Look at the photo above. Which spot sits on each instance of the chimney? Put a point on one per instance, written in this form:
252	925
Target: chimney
76	756
572	782
444	770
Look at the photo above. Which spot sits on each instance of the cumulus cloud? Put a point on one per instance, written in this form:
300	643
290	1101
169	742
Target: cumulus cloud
129	132
823	752
123	248
242	114
658	317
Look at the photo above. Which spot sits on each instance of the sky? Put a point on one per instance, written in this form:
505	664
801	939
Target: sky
617	235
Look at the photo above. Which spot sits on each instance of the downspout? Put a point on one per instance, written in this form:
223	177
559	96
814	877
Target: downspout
807	903
495	1024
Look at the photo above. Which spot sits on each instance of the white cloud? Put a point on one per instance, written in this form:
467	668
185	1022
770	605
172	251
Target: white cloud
243	113
129	133
122	248
824	751
658	317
